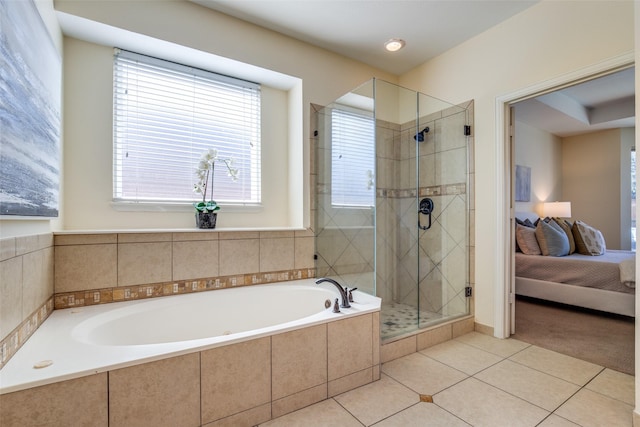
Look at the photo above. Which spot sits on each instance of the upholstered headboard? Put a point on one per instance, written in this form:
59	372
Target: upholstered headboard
532	216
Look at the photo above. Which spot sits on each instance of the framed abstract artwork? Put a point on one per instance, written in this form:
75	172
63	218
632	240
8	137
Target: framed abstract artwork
523	183
30	103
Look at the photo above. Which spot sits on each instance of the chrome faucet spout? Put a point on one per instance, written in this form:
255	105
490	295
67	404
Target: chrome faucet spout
343	291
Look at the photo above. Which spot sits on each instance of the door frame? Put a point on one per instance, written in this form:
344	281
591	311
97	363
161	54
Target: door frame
504	297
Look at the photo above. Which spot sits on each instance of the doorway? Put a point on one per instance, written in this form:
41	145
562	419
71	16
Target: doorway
504	324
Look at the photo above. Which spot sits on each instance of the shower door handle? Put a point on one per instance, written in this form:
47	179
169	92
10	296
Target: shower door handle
425	208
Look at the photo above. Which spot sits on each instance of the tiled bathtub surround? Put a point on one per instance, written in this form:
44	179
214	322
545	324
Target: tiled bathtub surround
137	292
242	384
26	289
39	272
91	262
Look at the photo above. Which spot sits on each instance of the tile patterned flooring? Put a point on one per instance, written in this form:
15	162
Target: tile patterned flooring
478	380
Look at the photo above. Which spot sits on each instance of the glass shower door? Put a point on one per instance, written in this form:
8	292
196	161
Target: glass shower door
443	178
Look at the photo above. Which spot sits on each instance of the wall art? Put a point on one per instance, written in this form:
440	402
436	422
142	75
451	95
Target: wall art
30	103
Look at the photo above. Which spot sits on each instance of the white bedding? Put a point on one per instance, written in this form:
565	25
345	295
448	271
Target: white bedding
601	272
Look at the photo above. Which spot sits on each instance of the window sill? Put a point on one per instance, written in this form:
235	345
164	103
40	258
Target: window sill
176	207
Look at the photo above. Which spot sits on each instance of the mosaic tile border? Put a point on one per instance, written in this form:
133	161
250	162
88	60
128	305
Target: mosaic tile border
16	338
435	190
137	292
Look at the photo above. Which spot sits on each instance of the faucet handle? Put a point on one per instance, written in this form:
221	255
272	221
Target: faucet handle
350	295
336	306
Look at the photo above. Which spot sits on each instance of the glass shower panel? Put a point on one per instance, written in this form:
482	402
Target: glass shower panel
345	190
395	222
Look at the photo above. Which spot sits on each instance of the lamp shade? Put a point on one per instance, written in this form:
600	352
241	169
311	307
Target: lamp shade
557	209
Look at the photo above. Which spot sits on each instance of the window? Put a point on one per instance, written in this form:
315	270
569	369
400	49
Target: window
352	159
633	199
166	115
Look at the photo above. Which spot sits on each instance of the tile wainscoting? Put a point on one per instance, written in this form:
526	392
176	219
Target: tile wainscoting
40	272
26	289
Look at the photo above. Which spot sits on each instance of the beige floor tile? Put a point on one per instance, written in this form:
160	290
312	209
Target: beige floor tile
556	421
422	374
416	416
536	387
590	409
462	357
500	347
559	365
480	405
325	413
614	384
376	401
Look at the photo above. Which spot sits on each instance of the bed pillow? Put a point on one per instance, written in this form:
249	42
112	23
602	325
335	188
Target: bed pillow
552	239
566	227
526	222
526	238
589	241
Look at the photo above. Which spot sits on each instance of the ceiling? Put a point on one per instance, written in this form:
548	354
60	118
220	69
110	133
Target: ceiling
607	102
358	29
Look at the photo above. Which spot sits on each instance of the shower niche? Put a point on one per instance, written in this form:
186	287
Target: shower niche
392	212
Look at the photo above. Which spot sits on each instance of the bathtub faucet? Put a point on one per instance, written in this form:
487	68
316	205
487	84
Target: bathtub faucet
343	291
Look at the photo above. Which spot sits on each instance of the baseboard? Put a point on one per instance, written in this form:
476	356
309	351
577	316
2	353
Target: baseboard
483	329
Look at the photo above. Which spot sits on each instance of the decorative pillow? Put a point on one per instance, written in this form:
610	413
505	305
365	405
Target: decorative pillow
527	222
526	238
566	227
589	241
552	239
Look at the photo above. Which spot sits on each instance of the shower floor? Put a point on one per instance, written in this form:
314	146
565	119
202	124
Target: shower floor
397	319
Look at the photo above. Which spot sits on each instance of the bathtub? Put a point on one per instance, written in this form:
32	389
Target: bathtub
77	342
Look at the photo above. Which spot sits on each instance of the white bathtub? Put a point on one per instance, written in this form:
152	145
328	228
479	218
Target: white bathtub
87	340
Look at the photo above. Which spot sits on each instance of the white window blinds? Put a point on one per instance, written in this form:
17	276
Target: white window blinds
352	159
166	115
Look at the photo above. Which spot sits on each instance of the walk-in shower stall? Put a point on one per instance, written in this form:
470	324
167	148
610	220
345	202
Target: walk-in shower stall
392	180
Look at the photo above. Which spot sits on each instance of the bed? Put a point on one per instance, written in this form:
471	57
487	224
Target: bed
604	282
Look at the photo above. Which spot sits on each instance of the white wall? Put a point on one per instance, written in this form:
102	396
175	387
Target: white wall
542	152
88	155
325	76
543	43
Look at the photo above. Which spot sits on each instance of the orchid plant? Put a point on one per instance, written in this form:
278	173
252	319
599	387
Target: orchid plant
206	169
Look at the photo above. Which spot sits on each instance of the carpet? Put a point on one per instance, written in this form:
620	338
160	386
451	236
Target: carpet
601	338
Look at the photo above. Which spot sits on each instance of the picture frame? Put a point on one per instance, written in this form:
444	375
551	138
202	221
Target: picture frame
523	184
30	87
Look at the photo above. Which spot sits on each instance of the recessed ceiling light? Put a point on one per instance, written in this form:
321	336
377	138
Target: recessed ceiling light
394	45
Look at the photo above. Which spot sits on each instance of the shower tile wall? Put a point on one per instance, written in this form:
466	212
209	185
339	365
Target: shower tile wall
441	252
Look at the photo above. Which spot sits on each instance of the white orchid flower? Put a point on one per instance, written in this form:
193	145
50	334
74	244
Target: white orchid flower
205	171
210	156
233	173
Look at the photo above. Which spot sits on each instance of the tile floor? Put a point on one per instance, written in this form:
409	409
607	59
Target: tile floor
478	380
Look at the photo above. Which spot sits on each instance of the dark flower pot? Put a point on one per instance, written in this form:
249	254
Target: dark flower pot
206	219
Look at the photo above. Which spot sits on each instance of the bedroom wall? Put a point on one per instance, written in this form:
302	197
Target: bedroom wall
541	44
592	178
542	152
